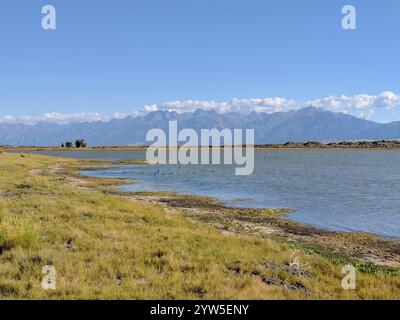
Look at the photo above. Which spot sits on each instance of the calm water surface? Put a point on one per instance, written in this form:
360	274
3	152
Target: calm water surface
356	190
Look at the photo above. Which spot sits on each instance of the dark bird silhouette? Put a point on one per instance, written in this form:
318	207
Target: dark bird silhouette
69	245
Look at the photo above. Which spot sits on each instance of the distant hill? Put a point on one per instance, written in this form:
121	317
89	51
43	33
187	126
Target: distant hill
303	125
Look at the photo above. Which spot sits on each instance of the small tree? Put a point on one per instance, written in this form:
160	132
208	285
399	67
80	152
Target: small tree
62	145
68	144
80	143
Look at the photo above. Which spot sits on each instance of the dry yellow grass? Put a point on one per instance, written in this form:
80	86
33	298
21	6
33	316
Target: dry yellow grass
106	247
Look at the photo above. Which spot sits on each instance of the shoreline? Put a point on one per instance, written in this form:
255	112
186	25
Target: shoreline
366	247
310	145
284	211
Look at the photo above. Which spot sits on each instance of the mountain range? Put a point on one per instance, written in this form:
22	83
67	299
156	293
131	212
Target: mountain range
307	124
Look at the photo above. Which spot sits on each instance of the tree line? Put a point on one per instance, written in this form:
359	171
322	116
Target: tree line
79	143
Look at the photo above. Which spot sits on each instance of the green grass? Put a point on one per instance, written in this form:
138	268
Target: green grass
339	259
124	249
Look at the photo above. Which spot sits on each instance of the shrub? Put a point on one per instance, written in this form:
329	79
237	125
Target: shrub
80	143
28	239
13	235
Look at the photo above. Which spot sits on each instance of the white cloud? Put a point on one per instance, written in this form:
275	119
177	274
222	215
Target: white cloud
7	118
54	117
235	105
361	105
65	118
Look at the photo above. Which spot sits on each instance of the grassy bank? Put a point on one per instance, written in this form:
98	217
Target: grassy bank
107	246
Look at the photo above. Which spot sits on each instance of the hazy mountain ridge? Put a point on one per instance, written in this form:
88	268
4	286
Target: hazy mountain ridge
302	125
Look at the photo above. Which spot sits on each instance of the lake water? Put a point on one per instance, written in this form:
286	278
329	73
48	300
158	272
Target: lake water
355	190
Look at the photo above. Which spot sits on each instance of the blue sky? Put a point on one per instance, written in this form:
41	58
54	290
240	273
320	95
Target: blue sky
118	56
